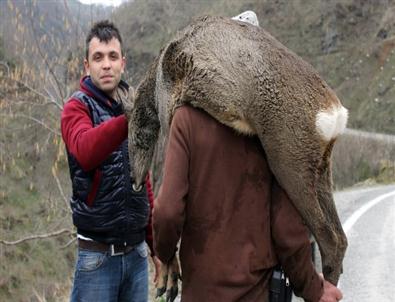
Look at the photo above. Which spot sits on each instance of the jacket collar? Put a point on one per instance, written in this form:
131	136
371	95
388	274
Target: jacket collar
87	86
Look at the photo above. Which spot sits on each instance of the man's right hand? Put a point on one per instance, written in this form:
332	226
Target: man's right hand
331	292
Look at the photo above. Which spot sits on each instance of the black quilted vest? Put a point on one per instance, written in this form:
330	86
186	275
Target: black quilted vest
117	214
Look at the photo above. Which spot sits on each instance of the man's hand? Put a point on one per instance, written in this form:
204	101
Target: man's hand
331	292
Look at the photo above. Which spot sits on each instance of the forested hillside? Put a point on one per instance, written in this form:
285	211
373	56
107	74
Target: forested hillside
350	42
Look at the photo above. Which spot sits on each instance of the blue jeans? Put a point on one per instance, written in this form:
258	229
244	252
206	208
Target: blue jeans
100	277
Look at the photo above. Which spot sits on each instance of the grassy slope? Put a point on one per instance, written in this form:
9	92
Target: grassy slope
339	39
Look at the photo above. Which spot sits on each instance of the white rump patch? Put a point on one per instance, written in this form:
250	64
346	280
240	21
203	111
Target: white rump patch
332	122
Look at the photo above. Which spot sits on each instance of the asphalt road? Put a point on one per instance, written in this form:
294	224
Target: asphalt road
368	218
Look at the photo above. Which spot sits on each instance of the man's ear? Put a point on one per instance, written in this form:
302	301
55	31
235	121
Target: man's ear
86	66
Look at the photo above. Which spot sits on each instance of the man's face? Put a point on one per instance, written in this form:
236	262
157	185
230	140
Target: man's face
105	64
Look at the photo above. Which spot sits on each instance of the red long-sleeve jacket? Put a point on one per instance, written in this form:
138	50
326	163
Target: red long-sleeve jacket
91	145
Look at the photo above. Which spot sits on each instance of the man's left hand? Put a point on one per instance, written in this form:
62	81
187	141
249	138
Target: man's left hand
331	292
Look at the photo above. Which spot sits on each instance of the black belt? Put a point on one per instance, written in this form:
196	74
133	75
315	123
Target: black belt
113	249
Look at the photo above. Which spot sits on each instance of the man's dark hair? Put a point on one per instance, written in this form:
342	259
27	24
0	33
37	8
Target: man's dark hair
104	31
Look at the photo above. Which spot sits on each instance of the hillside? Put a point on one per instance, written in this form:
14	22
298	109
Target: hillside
350	42
39	66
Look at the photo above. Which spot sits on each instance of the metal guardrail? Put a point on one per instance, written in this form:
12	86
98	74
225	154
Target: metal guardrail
371	135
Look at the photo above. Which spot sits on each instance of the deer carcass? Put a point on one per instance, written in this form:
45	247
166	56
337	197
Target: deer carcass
246	79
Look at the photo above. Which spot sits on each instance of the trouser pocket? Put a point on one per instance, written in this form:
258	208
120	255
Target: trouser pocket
90	261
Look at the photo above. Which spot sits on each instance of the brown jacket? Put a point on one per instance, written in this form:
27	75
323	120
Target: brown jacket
235	222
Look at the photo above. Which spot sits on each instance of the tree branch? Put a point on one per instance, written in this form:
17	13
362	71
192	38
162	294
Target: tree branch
48	235
35	120
40	51
51	100
68	243
60	189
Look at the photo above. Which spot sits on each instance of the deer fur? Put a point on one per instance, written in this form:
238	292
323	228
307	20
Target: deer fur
246	79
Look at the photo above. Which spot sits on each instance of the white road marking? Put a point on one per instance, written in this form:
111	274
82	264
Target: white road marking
349	223
362	210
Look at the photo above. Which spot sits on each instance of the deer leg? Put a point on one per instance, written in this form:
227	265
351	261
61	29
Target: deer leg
307	203
331	264
296	173
161	286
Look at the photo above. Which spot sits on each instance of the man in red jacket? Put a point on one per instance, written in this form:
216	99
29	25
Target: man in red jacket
112	216
235	223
